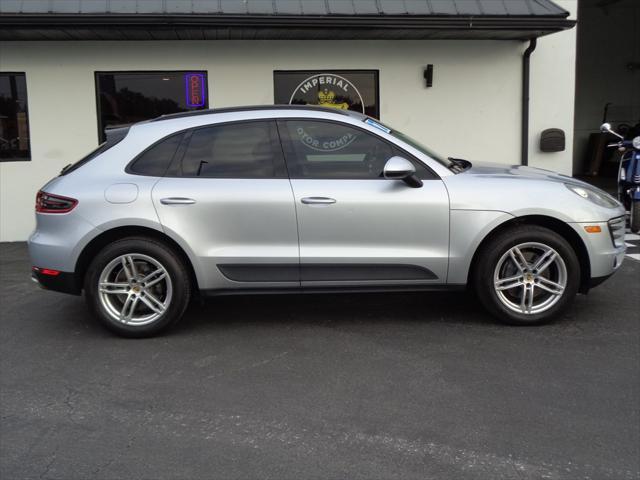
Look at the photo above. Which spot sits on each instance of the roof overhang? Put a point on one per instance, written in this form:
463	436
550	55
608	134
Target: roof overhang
21	26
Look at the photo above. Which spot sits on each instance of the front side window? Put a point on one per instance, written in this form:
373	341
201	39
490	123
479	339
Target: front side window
129	97
318	149
235	150
14	118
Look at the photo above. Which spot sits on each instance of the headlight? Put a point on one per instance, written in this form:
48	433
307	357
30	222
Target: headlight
596	196
636	143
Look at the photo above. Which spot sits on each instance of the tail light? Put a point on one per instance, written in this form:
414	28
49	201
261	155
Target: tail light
46	271
48	203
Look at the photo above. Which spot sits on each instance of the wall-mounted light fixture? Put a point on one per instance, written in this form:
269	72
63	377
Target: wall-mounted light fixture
428	75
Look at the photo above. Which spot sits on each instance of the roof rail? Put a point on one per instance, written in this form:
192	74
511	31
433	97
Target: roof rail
250	108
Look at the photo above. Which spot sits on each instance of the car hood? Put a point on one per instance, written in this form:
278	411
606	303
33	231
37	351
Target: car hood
500	170
520	191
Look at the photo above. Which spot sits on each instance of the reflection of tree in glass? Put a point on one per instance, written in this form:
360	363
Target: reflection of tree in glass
127	106
8	106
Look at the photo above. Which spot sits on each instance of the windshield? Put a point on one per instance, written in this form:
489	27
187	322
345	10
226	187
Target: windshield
410	141
418	146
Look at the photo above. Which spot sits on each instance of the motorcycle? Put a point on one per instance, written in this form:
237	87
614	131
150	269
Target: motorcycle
628	175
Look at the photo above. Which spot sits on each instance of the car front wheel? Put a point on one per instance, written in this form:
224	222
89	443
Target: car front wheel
137	287
527	275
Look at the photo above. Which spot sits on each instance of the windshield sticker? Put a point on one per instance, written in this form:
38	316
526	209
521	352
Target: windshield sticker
373	123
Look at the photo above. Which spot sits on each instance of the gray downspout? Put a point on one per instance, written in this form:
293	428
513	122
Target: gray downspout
525	101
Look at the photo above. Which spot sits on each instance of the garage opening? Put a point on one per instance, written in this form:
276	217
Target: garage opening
607	85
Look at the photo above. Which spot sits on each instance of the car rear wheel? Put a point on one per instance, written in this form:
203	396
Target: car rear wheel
137	287
527	275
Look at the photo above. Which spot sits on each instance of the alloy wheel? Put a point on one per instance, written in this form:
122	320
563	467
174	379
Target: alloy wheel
530	278
135	289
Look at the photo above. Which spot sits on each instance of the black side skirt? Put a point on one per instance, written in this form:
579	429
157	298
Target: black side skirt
333	290
324	272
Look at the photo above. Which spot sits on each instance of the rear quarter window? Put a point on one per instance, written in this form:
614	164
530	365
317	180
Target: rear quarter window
155	160
114	136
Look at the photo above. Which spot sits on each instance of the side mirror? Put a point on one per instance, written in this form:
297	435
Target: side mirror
606	128
398	168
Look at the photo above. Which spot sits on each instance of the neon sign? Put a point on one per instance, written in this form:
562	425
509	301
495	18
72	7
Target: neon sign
195	90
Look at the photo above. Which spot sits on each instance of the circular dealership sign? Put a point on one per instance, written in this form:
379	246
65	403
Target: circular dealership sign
327	90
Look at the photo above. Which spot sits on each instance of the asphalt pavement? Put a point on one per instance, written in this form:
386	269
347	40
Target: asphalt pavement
367	386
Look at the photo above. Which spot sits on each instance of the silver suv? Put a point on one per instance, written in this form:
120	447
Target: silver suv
304	199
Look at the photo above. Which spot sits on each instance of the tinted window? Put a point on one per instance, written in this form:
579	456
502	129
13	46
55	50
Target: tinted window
129	97
14	118
240	150
155	161
332	150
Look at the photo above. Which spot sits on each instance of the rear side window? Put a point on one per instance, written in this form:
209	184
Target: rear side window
156	160
114	136
237	150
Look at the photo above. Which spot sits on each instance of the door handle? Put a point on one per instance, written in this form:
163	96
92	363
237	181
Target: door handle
177	201
318	200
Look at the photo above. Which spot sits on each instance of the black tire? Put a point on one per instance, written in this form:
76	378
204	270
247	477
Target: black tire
634	218
489	257
172	263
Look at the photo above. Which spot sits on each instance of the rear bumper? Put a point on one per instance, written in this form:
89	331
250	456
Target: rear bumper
64	282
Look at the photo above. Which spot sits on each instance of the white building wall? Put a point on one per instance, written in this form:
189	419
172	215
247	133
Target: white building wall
553	73
472	110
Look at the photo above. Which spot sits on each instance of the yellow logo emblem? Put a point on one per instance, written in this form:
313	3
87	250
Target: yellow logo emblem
327	98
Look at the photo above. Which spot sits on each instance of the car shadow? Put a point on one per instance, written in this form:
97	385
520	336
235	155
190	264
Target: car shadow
335	309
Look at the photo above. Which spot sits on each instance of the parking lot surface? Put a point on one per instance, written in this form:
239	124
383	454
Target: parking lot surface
394	386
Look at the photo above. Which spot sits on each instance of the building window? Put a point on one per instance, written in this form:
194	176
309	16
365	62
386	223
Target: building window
14	118
129	97
342	89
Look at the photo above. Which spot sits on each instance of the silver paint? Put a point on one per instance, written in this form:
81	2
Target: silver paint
215	221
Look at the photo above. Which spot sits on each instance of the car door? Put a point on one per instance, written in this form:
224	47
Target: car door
355	226
228	197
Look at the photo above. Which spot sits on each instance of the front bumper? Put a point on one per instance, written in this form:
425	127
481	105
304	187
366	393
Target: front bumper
605	258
